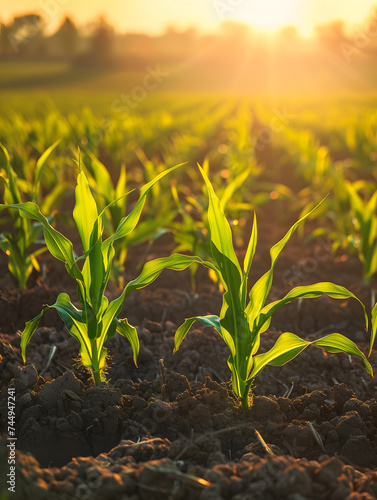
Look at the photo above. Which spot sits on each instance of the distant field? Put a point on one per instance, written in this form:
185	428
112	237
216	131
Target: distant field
26	86
264	151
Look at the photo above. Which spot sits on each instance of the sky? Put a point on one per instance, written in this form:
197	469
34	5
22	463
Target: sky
154	16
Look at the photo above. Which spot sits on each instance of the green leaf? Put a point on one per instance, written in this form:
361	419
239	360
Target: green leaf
309	291
121	186
107	256
182	331
153	269
105	335
150	229
104	185
261	288
221	234
249	259
20	264
85	212
374	328
128	223
233	186
12	193
59	246
335	342
74	321
29	329
93	271
4	155
289	345
130	333
72	318
234	325
39	168
149	273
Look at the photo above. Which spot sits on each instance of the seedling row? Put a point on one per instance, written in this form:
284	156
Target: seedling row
128	186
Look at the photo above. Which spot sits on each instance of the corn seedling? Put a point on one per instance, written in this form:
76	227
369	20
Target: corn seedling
97	321
353	213
26	234
374	327
241	322
365	229
147	230
191	233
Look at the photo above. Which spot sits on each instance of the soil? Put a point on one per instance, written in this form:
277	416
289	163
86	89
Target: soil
311	431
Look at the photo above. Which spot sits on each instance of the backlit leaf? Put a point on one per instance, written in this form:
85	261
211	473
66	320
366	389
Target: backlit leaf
289	345
85	212
129	332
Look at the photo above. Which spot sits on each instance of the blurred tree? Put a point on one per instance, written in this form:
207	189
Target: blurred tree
26	34
102	40
5	45
176	45
332	35
289	34
67	36
370	33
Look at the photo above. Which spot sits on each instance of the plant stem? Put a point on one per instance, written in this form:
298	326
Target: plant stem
245	400
95	364
164	394
97	377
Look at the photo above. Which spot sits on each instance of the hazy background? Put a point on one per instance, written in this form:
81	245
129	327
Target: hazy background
100	51
153	16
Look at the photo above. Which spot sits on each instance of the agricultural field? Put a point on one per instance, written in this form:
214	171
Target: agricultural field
163	262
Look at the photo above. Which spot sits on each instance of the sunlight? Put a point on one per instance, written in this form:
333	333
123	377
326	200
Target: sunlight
269	15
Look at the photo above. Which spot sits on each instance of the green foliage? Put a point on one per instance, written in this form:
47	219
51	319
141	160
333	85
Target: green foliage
374	327
349	214
97	320
191	233
114	206
241	322
18	246
365	228
353	217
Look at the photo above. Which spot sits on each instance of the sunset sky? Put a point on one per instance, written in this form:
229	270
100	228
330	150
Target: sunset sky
155	15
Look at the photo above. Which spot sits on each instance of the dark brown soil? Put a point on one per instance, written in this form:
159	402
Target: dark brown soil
311	431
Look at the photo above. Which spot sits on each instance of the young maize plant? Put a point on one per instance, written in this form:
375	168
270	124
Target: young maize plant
146	231
97	321
26	234
191	232
365	228
374	327
241	322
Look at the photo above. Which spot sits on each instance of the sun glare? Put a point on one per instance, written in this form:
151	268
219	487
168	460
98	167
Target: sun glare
270	14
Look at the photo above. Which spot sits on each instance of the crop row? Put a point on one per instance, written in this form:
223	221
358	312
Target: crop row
107	214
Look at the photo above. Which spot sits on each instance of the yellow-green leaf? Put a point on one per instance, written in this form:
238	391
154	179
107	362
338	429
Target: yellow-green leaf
85	212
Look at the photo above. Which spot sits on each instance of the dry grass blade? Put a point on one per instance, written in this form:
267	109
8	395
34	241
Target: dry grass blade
164	393
171	471
263	443
51	355
289	390
317	437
